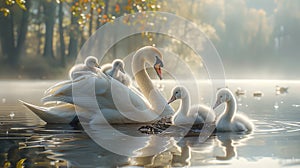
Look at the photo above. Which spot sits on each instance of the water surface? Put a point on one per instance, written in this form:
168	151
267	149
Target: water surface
26	140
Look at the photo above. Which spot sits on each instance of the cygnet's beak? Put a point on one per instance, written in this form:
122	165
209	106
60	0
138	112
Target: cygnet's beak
122	70
217	104
173	98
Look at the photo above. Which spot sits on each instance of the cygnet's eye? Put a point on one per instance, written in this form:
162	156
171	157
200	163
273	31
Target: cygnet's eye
176	92
221	97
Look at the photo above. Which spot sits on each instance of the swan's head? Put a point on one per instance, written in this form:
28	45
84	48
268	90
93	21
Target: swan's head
152	56
118	65
223	95
178	92
91	62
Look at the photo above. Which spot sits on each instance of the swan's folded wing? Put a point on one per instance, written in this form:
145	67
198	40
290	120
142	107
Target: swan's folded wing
129	104
62	93
81	87
83	74
139	101
136	92
101	85
87	91
124	97
56	86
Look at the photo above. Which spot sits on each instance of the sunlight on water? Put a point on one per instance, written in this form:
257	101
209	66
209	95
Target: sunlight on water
275	141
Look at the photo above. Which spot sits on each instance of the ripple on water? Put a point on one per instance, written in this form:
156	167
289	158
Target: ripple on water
277	127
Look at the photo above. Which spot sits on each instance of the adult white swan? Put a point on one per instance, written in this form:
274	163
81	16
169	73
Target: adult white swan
229	121
187	114
118	103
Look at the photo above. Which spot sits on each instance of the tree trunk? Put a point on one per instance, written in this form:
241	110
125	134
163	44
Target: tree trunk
23	31
49	10
7	39
98	22
39	34
61	35
106	6
73	44
91	22
12	48
82	38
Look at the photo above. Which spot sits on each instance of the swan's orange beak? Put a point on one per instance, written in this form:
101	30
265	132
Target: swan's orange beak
173	98
157	68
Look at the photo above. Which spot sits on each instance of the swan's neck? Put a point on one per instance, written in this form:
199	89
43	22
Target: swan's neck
114	72
141	76
185	105
158	102
230	109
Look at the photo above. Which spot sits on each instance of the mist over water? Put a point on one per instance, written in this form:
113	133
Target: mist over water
275	141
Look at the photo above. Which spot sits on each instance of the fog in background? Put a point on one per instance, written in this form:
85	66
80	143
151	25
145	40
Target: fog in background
255	38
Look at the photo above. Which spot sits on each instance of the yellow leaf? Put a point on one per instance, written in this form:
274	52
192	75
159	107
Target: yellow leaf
9	2
7	164
20	163
5	11
99	10
21	4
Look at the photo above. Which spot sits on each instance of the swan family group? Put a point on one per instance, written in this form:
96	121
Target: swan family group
106	94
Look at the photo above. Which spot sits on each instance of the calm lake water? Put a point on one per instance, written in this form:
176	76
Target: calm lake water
26	140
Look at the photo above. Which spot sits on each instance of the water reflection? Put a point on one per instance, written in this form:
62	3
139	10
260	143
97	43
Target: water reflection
14	155
281	90
161	159
240	92
228	148
229	142
194	152
62	146
127	140
180	154
84	152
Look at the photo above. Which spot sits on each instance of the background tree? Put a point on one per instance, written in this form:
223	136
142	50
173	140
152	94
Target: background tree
61	34
13	30
49	13
50	33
